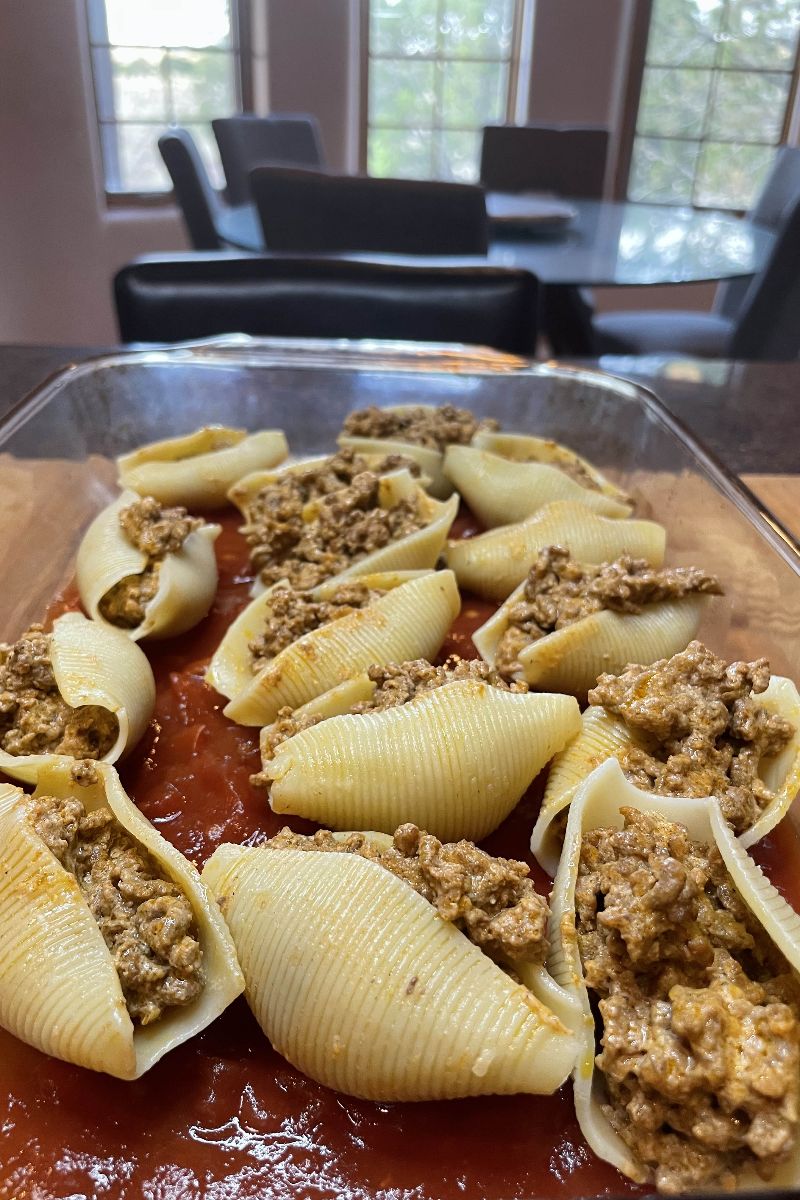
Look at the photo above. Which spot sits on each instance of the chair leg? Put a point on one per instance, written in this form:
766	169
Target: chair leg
567	322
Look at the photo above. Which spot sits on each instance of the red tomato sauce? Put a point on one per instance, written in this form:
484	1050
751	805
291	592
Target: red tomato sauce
224	1117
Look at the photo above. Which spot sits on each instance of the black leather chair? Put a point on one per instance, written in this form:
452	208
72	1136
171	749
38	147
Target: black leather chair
309	212
247	141
196	197
569	160
162	299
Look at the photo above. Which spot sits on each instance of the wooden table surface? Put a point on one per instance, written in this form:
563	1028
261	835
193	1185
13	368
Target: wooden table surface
781	494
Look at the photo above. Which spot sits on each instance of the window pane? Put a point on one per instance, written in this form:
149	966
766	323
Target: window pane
404	153
207	145
682	32
761	33
477	28
749	106
662	171
403	26
458	155
169	22
140	165
401	93
139	85
473	94
202	85
731	176
673	102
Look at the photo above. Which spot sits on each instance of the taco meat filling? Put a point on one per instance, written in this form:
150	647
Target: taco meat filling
700	1012
560	591
156	532
34	717
145	919
309	525
698	728
489	899
431	427
396	683
293	613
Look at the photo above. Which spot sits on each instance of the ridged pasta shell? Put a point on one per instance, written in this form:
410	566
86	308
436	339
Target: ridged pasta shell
415	552
98	665
358	982
429	460
500	492
570	659
409	621
455	761
197	469
187	580
597	805
494	563
524	448
59	990
603	736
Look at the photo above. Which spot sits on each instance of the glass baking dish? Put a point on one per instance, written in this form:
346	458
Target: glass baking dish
57	451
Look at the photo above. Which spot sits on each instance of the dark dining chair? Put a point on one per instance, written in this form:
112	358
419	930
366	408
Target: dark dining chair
569	160
196	197
309	212
766	324
247	141
163	299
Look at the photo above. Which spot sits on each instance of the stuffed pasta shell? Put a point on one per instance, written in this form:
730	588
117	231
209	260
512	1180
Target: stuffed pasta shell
198	469
111	950
569	622
343	515
451	748
502	487
289	646
84	690
493	564
690	725
665	927
374	979
421	432
148	570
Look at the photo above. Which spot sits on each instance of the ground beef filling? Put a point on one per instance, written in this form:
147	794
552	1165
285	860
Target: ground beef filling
434	428
489	899
560	591
396	683
145	919
156	532
34	717
700	1012
699	729
294	613
310	525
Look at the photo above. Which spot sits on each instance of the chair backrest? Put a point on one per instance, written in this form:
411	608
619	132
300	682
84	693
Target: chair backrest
308	212
768	323
247	141
779	192
193	191
569	160
199	295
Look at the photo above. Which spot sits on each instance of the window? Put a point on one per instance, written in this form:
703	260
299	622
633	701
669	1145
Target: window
156	63
438	71
717	88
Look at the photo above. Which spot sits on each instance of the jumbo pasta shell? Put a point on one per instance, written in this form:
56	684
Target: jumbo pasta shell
98	665
356	981
494	563
197	469
597	805
187	580
59	990
429	460
570	659
455	761
500	492
525	448
409	621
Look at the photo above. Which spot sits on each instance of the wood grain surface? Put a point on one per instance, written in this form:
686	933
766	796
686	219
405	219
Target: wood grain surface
781	494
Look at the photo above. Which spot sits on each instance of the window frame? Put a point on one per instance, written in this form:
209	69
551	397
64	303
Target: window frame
637	62
512	92
242	51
